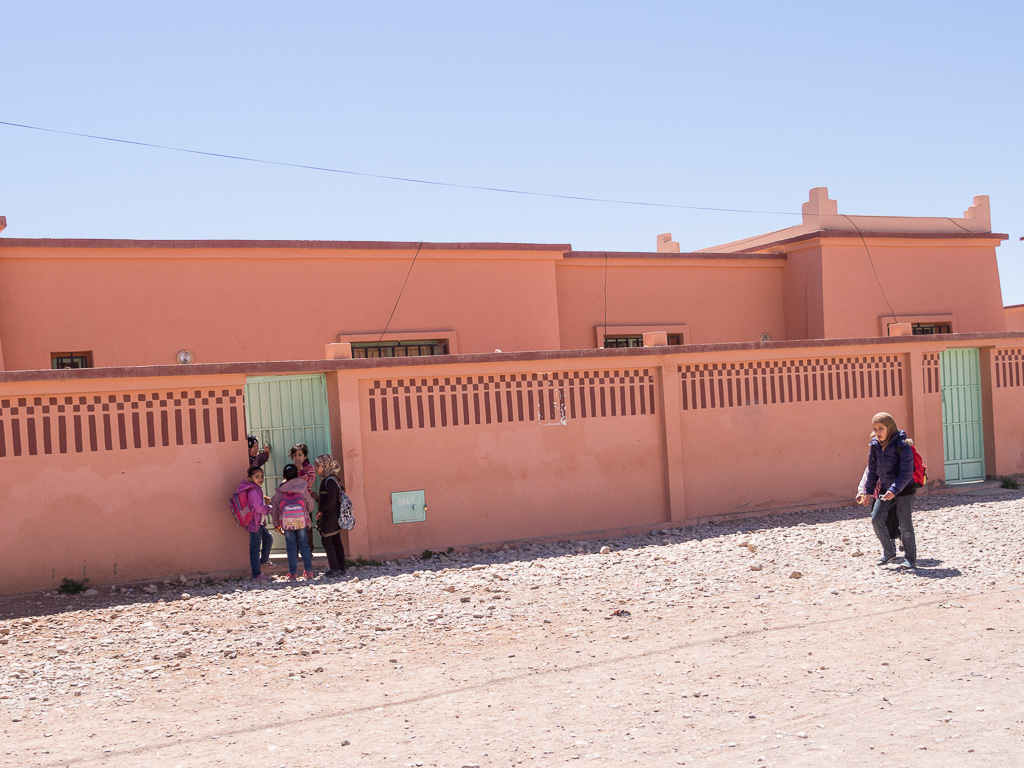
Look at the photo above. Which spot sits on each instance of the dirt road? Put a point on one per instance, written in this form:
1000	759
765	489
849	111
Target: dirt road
764	642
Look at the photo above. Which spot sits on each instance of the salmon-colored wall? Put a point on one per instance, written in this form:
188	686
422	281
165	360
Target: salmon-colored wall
918	278
802	293
133	303
85	495
1007	408
142	306
1015	318
718	299
775	430
556	468
616	440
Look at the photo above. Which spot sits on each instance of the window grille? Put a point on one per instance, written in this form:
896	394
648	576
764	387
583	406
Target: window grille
612	342
60	360
409	348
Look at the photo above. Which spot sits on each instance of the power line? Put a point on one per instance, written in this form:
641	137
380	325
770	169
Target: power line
404	283
871	261
408	180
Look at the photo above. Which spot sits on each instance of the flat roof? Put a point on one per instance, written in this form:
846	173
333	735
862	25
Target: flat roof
673	255
380	245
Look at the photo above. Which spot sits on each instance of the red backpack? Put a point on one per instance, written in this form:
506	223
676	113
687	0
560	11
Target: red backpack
241	510
920	470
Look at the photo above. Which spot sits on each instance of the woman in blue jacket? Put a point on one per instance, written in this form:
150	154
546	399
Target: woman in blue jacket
891	469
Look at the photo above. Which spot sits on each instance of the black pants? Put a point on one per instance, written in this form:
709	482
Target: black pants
904	507
335	550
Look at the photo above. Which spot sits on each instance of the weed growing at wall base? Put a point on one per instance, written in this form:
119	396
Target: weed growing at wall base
1009	481
72	586
362	561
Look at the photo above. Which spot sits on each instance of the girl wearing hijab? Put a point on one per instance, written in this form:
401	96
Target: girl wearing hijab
332	493
891	469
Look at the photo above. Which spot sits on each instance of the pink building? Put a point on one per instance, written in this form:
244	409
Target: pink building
141	302
514	391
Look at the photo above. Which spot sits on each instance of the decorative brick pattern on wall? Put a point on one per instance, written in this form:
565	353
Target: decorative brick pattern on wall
31	426
730	385
546	398
1009	365
930	372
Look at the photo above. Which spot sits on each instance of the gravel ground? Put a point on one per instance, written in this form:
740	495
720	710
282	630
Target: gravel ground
764	641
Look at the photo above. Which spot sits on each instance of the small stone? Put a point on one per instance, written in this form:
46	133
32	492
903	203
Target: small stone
856	553
182	579
756	566
449	589
90	592
796	575
185	595
605	550
345	742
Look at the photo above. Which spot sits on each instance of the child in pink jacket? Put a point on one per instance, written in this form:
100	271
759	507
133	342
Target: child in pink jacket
291	509
251	491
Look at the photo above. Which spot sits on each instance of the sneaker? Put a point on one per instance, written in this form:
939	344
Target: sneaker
910	563
330	574
309	574
268	564
261	577
292	577
887	558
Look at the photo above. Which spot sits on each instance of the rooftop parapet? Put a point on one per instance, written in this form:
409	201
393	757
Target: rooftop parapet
821	214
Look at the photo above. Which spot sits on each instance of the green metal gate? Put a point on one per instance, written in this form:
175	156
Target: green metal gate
282	411
963	438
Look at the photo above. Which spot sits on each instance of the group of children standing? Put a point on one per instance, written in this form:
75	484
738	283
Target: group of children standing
291	511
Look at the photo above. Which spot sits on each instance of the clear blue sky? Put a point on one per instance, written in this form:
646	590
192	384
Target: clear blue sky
905	108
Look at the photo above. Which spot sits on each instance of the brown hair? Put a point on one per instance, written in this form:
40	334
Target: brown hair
890	426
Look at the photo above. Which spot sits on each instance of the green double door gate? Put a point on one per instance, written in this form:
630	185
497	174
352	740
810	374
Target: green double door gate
962	431
282	411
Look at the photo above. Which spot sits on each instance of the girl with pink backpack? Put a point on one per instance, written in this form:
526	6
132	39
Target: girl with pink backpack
291	510
250	511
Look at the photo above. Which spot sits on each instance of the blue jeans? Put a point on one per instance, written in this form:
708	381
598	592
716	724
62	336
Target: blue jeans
255	539
298	540
268	542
